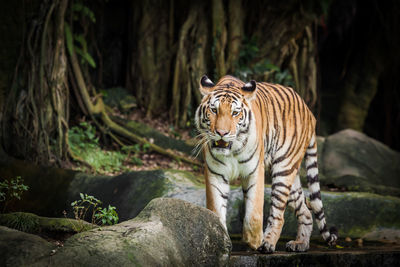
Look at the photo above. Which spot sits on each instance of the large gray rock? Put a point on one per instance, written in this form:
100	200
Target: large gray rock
356	162
168	232
354	214
22	249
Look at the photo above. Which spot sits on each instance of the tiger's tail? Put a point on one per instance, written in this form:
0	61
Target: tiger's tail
331	235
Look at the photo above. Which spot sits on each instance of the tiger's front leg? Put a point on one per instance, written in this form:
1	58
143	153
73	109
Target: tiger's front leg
282	180
253	194
217	192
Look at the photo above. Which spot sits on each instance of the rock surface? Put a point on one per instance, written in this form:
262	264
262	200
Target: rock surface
168	232
356	162
31	223
22	249
364	258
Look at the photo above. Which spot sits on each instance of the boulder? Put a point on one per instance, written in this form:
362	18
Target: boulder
354	214
22	249
168	232
356	162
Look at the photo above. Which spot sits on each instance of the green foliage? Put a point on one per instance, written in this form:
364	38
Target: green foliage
91	204
85	144
80	8
77	42
119	98
134	151
249	65
20	221
107	216
12	189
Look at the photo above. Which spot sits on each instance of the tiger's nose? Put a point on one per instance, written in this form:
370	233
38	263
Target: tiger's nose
222	133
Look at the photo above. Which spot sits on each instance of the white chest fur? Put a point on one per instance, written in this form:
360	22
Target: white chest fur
237	165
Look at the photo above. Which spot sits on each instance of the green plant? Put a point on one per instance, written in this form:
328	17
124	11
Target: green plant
250	65
11	189
84	143
25	222
134	151
77	42
108	215
91	204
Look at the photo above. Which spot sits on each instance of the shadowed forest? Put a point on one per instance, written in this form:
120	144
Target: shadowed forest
61	58
110	87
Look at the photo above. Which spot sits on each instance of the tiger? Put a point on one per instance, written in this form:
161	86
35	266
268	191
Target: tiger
247	129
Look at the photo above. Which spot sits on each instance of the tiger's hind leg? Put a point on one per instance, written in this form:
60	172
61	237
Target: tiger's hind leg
304	218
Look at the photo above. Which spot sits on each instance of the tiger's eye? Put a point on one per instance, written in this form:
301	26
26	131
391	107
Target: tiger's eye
235	113
214	110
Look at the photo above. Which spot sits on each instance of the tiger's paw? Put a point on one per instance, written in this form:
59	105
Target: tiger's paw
266	248
297	246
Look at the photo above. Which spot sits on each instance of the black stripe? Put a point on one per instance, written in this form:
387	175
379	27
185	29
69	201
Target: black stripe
275	218
311	154
245	191
220	192
239	150
313	165
315	196
324	229
277	207
277	197
285	173
214	157
305	223
281	158
298	208
279	184
312	180
216	173
320	215
253	171
248	159
297	198
280	192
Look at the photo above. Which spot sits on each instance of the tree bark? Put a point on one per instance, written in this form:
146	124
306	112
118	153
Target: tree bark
235	33
37	109
219	34
360	88
153	57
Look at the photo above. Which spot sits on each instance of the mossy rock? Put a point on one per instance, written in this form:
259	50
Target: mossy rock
354	214
168	232
31	223
157	137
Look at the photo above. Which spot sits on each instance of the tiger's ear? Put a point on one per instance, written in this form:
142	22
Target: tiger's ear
206	85
249	90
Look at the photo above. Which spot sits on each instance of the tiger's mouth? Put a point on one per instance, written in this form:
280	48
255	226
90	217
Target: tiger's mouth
221	144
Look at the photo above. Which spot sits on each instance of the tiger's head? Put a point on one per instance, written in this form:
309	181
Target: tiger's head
224	115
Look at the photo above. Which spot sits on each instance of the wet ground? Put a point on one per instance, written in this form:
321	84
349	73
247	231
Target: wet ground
347	253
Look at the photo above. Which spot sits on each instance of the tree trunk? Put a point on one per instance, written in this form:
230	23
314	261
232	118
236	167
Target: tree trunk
37	106
360	88
190	64
153	57
235	33
219	34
